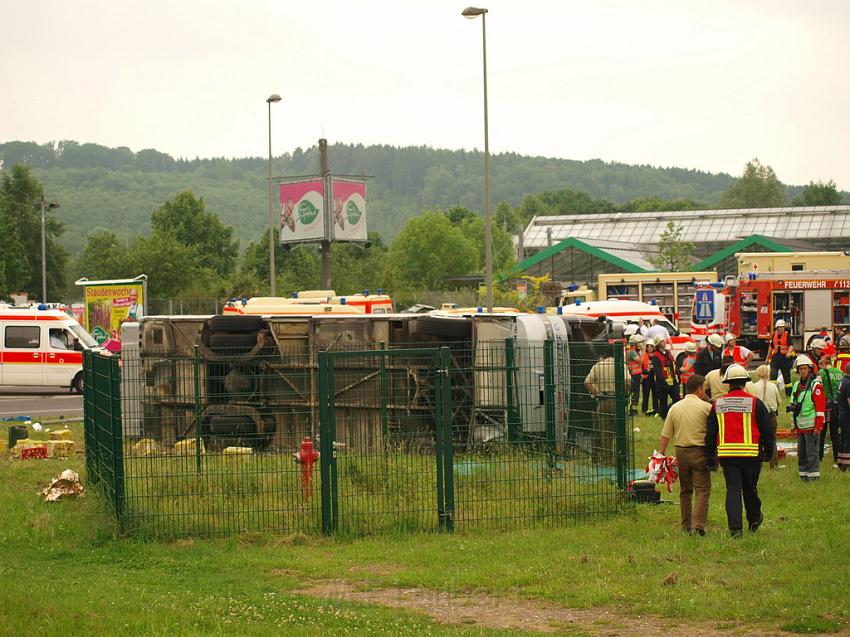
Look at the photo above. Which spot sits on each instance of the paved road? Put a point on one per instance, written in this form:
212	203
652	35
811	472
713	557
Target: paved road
39	402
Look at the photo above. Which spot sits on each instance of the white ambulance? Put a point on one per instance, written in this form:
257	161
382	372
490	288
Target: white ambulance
42	346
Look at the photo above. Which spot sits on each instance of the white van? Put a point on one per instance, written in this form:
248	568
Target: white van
42	346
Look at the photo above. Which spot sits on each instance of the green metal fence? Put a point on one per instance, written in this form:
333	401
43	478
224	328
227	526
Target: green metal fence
499	435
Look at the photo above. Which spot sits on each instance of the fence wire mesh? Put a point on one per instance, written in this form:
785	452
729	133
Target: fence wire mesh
499	435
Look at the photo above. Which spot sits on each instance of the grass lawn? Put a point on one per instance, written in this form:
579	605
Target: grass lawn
63	571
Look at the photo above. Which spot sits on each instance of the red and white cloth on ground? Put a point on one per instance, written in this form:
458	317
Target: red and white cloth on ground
663	468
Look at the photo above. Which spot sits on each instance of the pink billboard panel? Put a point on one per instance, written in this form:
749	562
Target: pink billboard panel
348	213
302	216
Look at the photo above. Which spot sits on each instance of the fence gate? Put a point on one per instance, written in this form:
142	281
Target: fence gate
385	440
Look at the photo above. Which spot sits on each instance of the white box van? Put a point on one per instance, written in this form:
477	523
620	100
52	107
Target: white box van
42	346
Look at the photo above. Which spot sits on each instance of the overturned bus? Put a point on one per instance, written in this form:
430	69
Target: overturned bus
240	381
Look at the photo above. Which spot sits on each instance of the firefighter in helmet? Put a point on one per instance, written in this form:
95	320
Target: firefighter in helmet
740	437
779	355
842	361
808	411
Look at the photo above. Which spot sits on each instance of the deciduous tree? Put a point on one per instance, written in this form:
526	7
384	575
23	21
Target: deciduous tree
758	187
819	194
674	253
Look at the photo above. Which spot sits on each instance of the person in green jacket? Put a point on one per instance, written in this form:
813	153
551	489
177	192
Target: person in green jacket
831	378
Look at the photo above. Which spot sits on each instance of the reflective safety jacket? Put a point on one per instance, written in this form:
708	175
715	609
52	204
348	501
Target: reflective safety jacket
635	361
781	344
739	426
663	368
645	360
736	353
687	369
812	402
842	360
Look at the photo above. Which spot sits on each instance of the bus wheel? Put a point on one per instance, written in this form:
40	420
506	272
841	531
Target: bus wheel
77	383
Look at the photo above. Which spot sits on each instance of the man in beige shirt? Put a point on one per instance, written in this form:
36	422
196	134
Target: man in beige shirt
601	384
714	385
686	422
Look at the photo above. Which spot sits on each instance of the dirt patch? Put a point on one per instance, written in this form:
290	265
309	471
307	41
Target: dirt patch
489	611
380	570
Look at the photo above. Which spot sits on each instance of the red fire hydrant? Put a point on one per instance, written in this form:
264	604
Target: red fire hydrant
307	457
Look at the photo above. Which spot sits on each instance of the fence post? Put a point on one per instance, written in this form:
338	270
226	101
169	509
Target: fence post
117	438
327	462
385	430
196	373
445	389
620	406
549	398
88	419
510	370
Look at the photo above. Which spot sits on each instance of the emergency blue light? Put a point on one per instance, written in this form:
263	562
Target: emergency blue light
342	301
541	309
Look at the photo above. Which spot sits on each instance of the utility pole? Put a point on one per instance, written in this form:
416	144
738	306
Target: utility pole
326	242
43	256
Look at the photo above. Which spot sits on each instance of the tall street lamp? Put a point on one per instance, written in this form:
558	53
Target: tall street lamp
271	99
471	13
44	205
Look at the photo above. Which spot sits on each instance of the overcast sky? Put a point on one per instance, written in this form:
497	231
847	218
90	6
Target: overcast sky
704	85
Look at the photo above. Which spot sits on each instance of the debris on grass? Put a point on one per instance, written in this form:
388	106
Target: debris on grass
66	485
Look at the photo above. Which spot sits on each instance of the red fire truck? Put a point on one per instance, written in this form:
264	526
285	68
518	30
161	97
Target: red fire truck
810	303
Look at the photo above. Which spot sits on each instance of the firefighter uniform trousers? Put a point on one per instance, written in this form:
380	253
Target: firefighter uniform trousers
742	480
808	454
781	363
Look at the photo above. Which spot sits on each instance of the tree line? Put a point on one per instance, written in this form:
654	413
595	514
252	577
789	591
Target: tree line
116	188
188	250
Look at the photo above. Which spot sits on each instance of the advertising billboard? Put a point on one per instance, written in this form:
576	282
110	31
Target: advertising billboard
302	211
110	303
349	210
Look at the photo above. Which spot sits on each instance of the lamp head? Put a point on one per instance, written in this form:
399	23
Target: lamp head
473	12
273	98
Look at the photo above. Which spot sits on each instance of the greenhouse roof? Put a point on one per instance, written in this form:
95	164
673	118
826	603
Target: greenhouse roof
700	226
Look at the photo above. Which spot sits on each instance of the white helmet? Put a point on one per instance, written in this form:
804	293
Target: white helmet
844	342
690	346
818	343
715	339
634	339
780	323
730	337
802	359
660	340
735	372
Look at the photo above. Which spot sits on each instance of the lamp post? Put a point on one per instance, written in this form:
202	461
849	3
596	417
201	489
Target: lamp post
44	205
471	13
271	99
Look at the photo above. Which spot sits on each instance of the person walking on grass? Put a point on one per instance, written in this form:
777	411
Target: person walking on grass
767	392
808	410
831	378
686	423
779	355
739	436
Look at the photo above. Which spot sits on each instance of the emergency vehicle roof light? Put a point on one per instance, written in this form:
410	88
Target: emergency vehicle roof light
342	301
232	300
42	306
572	287
480	309
365	292
716	284
653	302
295	295
541	309
380	291
560	309
578	301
